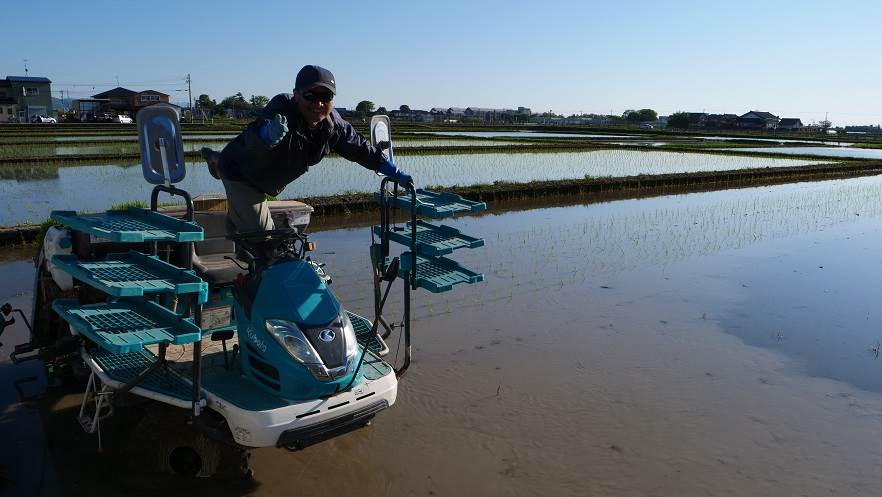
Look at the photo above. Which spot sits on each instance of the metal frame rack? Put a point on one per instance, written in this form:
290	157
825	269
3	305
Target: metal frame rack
140	309
423	265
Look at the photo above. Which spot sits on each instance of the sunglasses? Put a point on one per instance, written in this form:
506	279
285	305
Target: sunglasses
323	97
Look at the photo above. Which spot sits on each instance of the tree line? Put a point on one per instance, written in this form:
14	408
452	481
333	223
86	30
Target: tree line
235	102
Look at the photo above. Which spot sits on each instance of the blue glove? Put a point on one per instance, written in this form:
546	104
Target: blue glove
397	175
273	131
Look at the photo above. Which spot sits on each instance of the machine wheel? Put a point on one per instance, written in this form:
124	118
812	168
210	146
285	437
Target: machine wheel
183	450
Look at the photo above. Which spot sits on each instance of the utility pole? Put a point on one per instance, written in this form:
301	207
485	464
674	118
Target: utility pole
190	93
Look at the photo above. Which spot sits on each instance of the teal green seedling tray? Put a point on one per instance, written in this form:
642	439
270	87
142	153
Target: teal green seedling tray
432	240
437	274
435	205
131	225
126	367
133	274
127	325
365	336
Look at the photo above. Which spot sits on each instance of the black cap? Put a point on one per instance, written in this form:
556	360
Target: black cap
311	76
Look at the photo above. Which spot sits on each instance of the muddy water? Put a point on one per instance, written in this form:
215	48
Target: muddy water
704	344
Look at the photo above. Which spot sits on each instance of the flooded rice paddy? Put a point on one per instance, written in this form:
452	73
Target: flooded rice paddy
775	140
95	188
526	134
836	152
193	145
704	344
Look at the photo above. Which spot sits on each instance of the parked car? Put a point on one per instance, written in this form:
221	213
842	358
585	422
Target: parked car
43	119
101	117
122	118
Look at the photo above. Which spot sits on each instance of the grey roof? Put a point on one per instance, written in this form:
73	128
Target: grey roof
761	114
119	91
28	79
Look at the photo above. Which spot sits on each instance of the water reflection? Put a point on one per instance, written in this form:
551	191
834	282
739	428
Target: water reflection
845	152
525	134
766	264
94	188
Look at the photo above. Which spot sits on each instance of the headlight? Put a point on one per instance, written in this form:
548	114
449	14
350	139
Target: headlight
292	339
349	335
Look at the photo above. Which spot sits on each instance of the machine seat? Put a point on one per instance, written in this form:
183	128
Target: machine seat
208	255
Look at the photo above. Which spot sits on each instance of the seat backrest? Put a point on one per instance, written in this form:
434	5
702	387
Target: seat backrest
161	144
215	241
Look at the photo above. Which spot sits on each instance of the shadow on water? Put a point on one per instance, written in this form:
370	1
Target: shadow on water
28	172
121	467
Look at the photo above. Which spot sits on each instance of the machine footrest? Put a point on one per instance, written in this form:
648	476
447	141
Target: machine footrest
437	274
126	367
432	240
366	337
434	204
131	225
132	275
127	326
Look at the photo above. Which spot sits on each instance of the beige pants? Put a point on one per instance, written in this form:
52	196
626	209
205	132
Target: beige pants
247	209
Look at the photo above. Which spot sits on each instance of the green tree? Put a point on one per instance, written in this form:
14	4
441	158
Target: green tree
678	120
259	101
404	108
236	102
364	108
205	102
639	116
647	115
381	110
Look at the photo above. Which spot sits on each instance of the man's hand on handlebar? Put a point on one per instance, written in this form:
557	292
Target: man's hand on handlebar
389	169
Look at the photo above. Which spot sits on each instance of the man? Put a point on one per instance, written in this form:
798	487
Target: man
267	156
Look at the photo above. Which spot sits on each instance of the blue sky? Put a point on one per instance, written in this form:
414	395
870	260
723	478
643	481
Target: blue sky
794	59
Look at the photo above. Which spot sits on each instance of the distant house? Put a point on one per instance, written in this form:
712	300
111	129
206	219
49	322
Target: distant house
790	124
697	119
124	101
85	109
485	114
412	115
758	120
721	121
32	96
874	130
447	114
8	105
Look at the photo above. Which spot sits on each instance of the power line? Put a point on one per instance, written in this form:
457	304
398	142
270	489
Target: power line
168	81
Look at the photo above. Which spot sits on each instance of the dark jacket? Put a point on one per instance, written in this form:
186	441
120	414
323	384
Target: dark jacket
248	159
